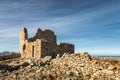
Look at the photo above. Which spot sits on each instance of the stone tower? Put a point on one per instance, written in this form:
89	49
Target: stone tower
23	38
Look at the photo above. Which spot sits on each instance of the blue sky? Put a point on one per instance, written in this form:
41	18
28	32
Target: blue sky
92	25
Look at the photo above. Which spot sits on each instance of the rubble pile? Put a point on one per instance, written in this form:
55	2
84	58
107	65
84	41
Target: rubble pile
79	66
90	67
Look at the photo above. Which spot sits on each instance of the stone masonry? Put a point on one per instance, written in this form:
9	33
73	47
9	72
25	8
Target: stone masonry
42	44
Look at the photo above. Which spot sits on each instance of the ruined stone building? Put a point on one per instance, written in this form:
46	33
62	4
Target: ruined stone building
42	44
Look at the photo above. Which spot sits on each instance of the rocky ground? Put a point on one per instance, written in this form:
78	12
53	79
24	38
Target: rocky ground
79	66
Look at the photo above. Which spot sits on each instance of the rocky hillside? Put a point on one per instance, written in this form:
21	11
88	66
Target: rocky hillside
79	66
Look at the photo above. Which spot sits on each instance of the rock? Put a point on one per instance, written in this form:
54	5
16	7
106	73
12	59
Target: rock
3	71
111	67
29	60
82	65
47	58
25	64
86	56
117	78
32	64
100	68
107	71
37	71
58	55
16	67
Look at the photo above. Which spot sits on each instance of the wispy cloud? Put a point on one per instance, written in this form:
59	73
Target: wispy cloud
87	23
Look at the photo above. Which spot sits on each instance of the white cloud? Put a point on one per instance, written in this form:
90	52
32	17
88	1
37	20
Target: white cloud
65	25
9	32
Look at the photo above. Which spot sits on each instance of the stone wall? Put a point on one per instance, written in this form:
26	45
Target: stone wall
45	35
23	37
65	48
42	44
48	49
33	49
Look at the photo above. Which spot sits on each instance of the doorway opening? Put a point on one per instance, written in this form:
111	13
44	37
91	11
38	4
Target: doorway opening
24	49
32	51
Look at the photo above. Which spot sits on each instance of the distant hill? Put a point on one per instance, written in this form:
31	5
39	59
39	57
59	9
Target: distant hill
6	53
